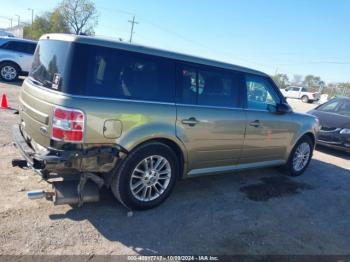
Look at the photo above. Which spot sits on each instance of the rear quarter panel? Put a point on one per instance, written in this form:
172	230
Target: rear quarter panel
139	120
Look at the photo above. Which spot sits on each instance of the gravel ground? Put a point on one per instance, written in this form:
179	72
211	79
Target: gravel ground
251	212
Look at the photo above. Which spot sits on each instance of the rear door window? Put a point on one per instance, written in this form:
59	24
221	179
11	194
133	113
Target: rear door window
206	86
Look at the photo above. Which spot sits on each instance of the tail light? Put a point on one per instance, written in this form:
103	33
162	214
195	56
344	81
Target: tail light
67	125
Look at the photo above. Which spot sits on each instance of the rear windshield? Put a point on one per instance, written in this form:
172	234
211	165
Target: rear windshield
87	70
50	64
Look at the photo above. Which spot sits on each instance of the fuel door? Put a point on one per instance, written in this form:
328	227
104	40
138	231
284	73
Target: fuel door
112	128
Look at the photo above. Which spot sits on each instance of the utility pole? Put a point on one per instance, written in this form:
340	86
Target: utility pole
10	22
19	19
30	9
132	27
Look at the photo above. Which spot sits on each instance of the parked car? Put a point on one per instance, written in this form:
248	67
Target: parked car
16	57
334	119
137	119
6	34
300	92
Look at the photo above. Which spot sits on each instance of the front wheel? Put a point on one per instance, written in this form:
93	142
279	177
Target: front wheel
146	177
9	72
300	157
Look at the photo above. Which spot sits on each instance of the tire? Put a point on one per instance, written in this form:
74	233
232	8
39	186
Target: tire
126	176
291	166
305	99
9	71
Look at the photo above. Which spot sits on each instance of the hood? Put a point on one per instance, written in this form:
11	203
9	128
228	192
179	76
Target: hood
331	120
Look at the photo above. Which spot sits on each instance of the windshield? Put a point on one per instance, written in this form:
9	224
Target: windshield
341	107
50	64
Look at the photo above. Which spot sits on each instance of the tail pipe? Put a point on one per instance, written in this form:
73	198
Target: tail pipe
71	192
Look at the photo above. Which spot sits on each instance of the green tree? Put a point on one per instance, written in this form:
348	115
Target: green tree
281	80
314	83
344	89
49	22
58	23
80	15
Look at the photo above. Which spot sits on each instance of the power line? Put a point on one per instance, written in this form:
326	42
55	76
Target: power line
197	43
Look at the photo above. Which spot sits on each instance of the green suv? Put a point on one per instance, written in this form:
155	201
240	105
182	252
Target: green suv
134	119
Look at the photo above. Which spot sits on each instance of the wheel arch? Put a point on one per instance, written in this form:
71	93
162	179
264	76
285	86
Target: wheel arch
175	146
309	134
13	62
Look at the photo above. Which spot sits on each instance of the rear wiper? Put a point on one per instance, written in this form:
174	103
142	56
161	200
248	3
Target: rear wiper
36	82
47	83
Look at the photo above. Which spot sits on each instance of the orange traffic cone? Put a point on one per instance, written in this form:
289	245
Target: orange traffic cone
4	104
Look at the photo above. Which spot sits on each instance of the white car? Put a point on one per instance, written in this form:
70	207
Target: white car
300	92
16	57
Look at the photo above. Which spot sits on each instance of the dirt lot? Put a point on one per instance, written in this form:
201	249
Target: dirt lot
252	212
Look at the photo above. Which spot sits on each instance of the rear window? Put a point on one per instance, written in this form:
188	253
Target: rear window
51	65
87	70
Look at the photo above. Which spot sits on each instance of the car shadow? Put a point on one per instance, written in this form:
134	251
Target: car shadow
216	214
334	152
18	82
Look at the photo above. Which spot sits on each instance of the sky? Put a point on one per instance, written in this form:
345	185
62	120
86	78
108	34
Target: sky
275	36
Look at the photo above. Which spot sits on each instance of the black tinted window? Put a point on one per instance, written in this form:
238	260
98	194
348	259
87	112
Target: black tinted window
20	46
208	86
50	63
107	72
31	48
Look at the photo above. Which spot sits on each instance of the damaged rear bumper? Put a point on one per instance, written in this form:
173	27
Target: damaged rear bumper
100	159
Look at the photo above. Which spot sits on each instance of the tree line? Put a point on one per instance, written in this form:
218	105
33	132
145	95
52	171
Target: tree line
70	16
313	83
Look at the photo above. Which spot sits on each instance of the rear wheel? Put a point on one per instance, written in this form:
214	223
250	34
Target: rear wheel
305	99
300	157
146	177
9	71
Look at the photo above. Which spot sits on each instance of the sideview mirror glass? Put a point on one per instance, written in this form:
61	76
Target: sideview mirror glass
283	108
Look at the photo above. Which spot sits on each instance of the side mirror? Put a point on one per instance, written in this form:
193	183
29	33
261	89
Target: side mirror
283	108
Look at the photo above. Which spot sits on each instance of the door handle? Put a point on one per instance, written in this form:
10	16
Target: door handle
255	123
192	121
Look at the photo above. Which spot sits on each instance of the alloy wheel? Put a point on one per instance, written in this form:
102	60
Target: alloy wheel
8	72
150	178
301	156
